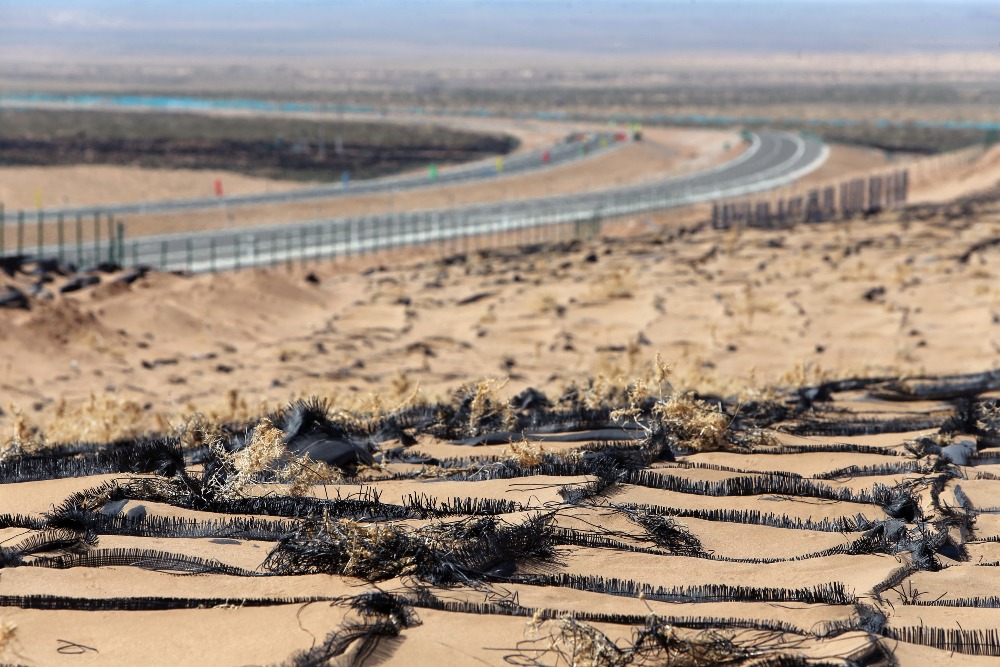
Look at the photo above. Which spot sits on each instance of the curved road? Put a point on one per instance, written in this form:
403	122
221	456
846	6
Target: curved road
551	156
772	159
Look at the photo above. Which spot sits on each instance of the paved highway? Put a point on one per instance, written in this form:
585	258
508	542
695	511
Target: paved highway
517	163
771	160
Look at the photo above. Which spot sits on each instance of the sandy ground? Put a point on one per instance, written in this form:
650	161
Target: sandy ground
738	313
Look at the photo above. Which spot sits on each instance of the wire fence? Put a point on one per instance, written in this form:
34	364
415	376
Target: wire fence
101	239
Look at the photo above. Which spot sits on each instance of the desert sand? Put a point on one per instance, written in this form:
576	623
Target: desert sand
786	516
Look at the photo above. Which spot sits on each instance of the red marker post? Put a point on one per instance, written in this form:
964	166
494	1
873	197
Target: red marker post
546	157
218	188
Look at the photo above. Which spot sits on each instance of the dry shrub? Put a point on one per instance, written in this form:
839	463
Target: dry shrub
265	449
265	458
579	644
527	454
302	473
582	645
697	425
7	631
22	439
488	410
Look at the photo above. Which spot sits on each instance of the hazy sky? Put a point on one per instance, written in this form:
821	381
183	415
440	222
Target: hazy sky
331	28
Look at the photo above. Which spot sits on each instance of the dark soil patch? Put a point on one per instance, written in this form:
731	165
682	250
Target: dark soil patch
269	147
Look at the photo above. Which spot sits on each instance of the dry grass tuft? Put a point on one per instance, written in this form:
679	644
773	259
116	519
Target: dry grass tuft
579	644
265	449
100	419
488	409
22	440
697	425
7	632
527	454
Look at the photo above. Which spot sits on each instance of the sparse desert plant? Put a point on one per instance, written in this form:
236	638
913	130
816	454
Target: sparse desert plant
101	419
697	425
7	632
527	454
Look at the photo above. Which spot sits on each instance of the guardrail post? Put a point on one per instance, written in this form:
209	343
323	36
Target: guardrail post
236	251
135	253
163	255
256	248
211	254
288	251
189	252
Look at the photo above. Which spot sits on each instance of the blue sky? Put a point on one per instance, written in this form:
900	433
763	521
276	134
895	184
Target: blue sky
327	28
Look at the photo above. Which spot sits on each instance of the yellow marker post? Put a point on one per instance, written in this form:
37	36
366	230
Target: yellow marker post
38	198
499	164
604	142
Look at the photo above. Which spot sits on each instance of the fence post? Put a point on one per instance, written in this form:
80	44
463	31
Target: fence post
163	255
303	231
97	238
189	247
40	241
120	227
135	253
20	232
60	221
211	254
236	251
111	239
79	239
256	248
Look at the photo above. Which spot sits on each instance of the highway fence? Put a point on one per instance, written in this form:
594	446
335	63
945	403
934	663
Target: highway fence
522	221
864	193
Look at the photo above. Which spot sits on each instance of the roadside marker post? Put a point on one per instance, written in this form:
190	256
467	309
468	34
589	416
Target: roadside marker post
499	165
345	178
432	171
